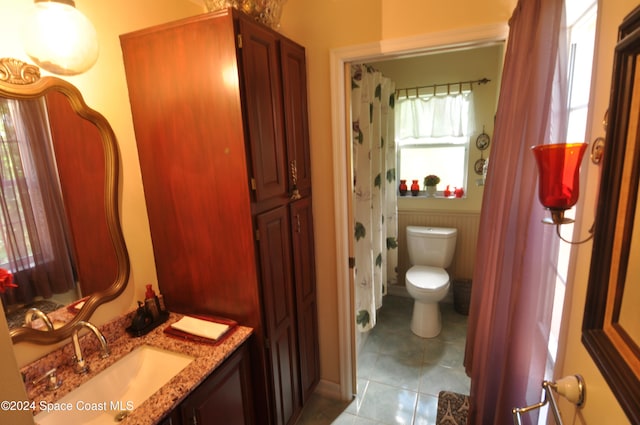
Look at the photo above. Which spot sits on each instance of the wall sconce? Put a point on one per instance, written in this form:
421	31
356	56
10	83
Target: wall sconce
59	38
558	188
559	178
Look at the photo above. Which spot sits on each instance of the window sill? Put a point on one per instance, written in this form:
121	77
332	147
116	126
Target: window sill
423	195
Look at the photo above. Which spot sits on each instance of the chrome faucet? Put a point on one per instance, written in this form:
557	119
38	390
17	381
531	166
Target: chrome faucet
28	317
81	363
53	383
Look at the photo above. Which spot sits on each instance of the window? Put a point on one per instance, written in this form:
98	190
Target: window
445	157
432	137
12	173
34	238
581	22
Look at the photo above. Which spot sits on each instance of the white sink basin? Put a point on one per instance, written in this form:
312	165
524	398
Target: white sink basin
118	389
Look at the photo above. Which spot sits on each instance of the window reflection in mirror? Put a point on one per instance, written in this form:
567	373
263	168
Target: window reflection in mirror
35	240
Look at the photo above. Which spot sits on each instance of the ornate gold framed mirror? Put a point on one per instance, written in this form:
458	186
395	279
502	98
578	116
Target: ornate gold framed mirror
87	166
611	324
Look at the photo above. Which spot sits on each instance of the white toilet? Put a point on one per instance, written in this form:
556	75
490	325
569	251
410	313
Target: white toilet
430	252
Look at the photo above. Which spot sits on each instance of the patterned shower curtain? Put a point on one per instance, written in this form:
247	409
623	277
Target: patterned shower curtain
374	196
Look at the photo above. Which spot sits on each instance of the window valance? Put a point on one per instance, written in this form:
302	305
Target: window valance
435	116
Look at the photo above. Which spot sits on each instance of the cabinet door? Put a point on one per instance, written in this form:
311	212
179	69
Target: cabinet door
224	398
277	293
294	89
172	419
305	288
262	102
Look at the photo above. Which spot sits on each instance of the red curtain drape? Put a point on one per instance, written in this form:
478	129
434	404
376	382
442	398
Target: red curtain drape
514	278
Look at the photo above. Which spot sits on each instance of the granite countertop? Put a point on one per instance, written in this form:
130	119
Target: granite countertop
207	358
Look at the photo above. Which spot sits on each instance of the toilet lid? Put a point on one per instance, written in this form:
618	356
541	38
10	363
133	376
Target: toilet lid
427	278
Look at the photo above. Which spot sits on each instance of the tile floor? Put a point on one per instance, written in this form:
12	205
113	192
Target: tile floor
399	374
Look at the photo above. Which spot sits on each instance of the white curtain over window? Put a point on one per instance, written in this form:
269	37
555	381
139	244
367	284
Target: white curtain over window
435	116
374	196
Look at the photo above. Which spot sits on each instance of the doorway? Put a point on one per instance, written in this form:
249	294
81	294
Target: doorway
340	59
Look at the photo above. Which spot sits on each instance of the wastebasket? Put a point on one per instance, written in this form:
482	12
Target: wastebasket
462	295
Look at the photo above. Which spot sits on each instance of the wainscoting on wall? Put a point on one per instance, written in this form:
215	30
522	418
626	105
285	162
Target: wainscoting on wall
468	226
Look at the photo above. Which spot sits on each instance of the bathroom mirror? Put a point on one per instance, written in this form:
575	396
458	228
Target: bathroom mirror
87	163
611	324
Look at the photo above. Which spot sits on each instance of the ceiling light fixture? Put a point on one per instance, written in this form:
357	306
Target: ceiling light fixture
59	38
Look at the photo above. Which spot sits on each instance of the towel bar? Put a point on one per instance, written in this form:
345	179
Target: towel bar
571	387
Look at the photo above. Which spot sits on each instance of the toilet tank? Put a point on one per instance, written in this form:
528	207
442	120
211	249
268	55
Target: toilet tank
431	246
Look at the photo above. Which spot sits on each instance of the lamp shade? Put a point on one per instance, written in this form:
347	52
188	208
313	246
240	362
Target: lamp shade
59	38
558	167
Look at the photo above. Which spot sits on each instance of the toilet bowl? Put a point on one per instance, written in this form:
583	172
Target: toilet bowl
430	251
427	286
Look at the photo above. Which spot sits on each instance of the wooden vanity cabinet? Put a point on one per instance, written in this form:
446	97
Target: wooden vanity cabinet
224	398
220	114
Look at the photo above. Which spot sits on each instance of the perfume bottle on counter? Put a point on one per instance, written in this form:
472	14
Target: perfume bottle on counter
151	303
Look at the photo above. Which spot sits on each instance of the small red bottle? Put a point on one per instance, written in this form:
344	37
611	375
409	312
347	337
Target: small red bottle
403	187
415	188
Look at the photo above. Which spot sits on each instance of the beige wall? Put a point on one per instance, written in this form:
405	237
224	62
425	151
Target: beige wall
104	89
601	406
406	18
320	26
325	25
459	65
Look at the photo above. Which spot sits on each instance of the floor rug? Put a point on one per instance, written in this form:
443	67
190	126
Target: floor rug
452	408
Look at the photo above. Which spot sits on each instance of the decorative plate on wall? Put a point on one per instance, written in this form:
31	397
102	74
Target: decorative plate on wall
483	140
479	166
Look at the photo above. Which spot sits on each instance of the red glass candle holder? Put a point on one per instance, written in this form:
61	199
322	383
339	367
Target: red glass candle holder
559	178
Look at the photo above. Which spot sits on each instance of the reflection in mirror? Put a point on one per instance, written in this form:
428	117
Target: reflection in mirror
35	241
611	331
629	319
60	231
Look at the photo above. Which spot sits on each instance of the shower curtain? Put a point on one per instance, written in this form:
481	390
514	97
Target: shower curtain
374	190
514	278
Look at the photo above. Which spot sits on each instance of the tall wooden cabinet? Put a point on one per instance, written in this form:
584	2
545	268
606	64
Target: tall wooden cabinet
220	114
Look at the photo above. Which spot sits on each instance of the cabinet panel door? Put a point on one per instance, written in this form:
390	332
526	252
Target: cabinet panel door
277	292
224	398
191	144
262	102
305	288
294	88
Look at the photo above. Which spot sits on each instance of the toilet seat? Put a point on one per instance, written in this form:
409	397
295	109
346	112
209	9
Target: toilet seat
427	278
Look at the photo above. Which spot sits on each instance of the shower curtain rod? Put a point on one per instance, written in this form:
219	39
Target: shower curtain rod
418	89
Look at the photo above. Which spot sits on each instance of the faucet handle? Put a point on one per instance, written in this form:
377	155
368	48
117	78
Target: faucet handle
53	383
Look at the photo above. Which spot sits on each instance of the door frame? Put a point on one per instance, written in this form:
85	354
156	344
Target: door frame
340	59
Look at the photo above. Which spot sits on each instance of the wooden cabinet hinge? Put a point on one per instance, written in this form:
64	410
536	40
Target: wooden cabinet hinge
257	235
239	41
253	183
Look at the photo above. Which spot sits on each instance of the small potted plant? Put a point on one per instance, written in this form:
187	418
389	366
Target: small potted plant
430	183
